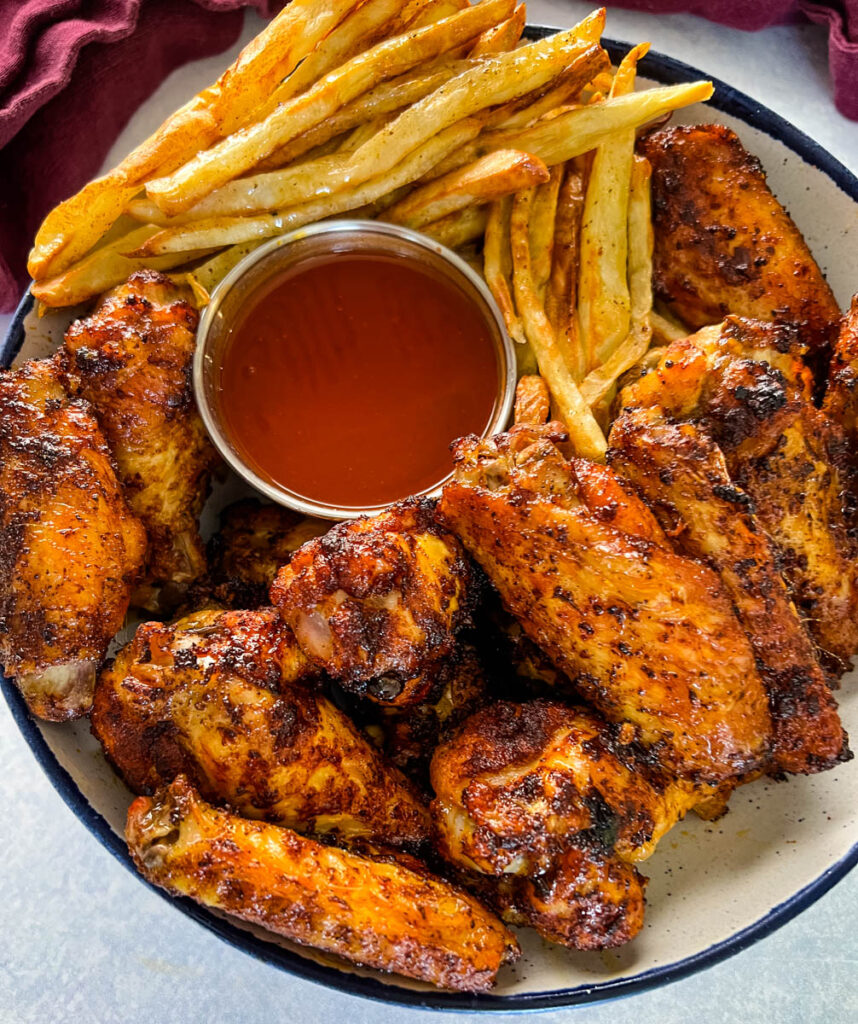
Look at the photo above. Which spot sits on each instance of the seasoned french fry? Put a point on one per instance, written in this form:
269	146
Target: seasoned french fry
242	151
604	316
218	232
501	37
497	268
491	177
542	216
565	87
105	267
563	283
665	330
584	432
532	400
73	227
459	228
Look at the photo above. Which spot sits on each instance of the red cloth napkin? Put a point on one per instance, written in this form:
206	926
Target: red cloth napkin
73	71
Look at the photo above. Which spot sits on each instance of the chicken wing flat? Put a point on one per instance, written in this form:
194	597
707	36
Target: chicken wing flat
70	548
222	697
723	243
132	360
376	602
379	912
648	636
745	384
683	475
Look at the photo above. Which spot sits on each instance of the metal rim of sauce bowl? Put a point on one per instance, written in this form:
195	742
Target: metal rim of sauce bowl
250	274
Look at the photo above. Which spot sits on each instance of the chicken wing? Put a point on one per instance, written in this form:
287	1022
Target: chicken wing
70	548
379	912
683	475
222	697
376	602
648	636
745	384
723	243
132	360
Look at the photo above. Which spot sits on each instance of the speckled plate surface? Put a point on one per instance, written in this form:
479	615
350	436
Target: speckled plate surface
714	888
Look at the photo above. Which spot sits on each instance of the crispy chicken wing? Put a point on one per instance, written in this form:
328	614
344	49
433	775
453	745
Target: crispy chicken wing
380	911
648	636
376	602
745	384
70	548
132	360
723	243
223	698
841	396
683	475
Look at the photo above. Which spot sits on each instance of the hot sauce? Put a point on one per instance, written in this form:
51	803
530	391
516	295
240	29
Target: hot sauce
346	378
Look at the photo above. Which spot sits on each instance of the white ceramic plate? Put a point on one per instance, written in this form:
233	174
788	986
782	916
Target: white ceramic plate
714	888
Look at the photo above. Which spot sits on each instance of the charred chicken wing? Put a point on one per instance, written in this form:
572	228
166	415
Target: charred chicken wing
70	548
222	698
132	360
723	243
376	602
377	911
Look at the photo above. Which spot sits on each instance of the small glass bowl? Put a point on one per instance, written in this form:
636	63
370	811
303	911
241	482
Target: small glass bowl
290	250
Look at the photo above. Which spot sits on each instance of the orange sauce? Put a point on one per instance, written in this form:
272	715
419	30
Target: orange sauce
345	379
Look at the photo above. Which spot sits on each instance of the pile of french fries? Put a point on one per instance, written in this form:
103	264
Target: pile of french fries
428	113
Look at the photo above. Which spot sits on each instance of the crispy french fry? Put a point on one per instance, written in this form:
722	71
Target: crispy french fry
532	400
491	177
105	267
219	232
434	11
459	228
504	36
665	330
242	151
562	90
497	267
73	227
542	216
584	432
563	283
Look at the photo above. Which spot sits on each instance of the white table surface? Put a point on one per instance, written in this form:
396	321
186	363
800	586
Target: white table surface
81	939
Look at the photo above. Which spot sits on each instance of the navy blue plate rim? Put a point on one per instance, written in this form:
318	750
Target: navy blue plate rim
730	101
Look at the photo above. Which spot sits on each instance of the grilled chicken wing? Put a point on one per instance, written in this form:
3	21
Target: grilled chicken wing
841	397
723	243
223	698
377	911
648	636
376	602
70	549
683	475
745	384
132	360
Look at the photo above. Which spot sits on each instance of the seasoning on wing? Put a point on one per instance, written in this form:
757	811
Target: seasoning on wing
378	911
70	548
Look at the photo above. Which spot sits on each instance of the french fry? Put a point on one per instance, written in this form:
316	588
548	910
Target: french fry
665	330
504	36
219	232
104	268
434	11
562	90
491	177
532	400
542	216
584	432
563	283
240	152
600	382
497	268
459	228
604	315
73	227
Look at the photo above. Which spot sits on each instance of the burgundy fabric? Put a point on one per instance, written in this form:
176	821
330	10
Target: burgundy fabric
73	71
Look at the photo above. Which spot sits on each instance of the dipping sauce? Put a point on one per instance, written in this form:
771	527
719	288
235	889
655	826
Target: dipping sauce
346	378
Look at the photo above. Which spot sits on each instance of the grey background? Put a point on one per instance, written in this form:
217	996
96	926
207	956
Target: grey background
81	939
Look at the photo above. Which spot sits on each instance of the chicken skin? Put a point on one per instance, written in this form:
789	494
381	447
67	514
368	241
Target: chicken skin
723	242
376	602
131	359
379	911
841	396
683	475
745	385
648	636
223	698
70	548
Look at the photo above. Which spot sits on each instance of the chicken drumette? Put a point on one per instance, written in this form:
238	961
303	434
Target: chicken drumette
70	548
